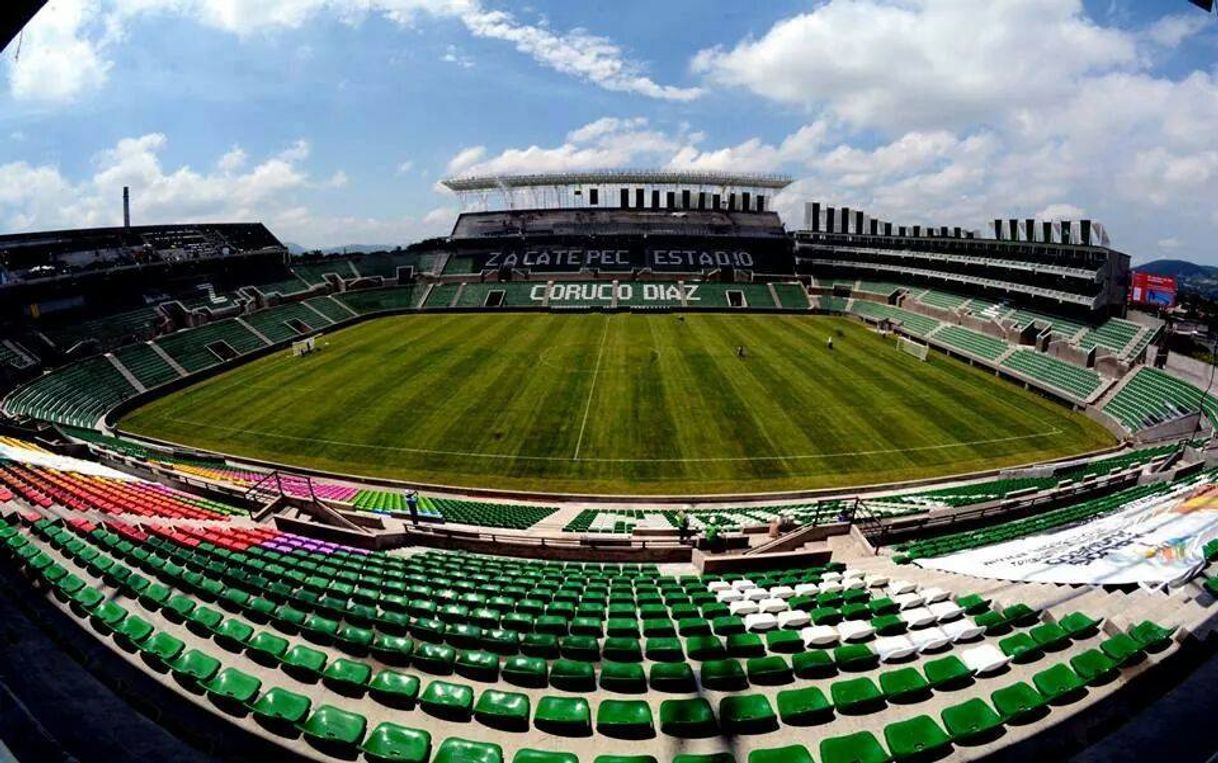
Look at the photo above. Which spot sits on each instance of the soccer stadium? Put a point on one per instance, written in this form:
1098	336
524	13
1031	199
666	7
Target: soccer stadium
624	468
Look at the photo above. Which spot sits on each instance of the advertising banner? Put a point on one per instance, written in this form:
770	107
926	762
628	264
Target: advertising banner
1153	290
1154	541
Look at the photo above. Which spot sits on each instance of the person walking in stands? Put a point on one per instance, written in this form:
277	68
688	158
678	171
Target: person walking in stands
682	525
412	503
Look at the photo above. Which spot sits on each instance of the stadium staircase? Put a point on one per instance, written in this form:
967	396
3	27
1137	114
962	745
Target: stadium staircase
130	377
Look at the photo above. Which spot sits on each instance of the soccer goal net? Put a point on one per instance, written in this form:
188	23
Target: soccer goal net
917	349
304	347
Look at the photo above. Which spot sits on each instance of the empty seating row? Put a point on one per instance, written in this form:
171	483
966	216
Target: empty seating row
374	300
205	346
791	296
78	394
1114	334
286	321
328	307
1079	383
971	342
914	323
146	364
1152	397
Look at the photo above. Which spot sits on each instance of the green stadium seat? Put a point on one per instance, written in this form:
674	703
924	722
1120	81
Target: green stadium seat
1151	636
232	635
160	649
1020	647
572	675
303	663
769	671
1122	648
477	666
804	707
1059	684
231	688
335	730
448	701
1094	667
623	677
859	747
795	753
947	672
625	719
347	677
903	685
1050	637
814	663
745	645
280	710
1079	625
856	695
391	743
855	657
193	668
917	738
747	714
457	750
564	716
508	711
664	649
394	689
622	650
529	672
527	755
970	721
132	632
1018	702
672	677
687	718
266	648
723	675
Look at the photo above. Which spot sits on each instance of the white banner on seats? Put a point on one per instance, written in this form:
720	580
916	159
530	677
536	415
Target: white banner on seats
60	463
1154	541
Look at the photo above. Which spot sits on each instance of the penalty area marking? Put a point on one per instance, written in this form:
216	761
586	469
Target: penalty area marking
517	457
592	389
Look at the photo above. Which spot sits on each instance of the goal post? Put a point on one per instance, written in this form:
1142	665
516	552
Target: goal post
909	346
304	347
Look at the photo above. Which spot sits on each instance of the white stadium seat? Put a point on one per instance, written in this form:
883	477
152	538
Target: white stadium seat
985	658
761	621
819	635
929	639
891	648
793	618
743	608
946	610
918	617
963	629
855	630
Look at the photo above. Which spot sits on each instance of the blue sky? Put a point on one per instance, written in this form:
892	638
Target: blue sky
332	120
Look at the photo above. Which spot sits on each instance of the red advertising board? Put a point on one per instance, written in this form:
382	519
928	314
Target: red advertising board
1151	289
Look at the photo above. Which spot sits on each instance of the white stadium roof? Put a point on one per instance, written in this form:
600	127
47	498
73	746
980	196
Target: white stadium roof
624	177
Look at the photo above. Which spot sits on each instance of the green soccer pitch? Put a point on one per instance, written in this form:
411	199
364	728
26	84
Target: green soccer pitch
625	403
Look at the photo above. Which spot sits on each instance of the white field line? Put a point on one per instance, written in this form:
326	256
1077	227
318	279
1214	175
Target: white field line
600	353
516	457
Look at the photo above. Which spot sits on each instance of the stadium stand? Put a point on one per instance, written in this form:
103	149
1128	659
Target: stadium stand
878	287
833	304
441	295
1063	327
792	296
78	394
1152	397
971	342
314	272
286	321
914	323
1114	334
14	357
193	348
1018	528
386	264
108	330
509	294
146	365
466	512
330	309
941	299
1079	383
374	300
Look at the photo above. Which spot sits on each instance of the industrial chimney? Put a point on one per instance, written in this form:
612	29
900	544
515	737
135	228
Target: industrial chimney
126	207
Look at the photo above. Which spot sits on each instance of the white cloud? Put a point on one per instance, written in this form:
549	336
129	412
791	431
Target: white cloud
1061	212
465	158
441	216
922	63
453	55
43	197
405	167
1168	244
605	143
1170	31
61	54
578	53
67	42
